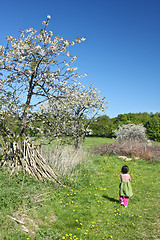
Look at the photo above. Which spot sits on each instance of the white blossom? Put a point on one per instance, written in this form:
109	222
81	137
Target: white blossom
68	54
83	38
72	43
73	59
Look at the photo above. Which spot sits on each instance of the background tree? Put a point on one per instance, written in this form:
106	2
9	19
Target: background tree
153	127
102	126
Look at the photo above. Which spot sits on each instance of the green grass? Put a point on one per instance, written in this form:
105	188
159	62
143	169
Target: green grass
87	208
88	142
94	141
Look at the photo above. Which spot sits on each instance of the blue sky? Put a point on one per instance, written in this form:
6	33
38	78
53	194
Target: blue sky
121	54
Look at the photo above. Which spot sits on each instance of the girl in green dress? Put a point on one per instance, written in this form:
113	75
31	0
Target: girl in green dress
125	188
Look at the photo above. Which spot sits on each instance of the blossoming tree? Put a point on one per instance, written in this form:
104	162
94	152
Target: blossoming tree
71	116
35	72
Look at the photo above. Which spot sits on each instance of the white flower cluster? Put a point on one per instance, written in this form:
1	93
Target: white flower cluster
131	132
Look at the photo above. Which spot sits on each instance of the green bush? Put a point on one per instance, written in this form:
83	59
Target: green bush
153	129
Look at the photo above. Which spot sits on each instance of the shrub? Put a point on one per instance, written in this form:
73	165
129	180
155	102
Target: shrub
133	149
131	132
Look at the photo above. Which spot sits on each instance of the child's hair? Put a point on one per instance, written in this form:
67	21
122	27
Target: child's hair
125	169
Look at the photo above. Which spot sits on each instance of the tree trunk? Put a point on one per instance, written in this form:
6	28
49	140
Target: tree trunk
26	107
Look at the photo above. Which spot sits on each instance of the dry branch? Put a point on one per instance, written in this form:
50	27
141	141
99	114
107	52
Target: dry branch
16	220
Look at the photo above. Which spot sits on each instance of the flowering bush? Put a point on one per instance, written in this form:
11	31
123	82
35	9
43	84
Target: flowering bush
131	132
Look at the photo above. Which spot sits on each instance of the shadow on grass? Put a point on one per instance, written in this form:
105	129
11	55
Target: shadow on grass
111	199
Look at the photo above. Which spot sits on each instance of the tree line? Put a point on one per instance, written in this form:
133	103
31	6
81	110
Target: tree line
103	126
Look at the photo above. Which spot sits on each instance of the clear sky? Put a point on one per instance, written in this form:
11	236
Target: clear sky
121	54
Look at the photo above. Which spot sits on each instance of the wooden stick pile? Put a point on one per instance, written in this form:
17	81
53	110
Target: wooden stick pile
25	156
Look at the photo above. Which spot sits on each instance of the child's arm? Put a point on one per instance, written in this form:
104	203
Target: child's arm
129	178
121	177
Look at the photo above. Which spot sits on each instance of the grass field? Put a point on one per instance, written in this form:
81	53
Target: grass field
87	208
94	141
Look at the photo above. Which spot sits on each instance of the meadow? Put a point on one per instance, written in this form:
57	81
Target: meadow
87	206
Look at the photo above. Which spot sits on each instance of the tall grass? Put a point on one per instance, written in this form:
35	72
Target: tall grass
64	158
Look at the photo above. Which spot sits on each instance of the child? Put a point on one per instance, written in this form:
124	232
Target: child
125	188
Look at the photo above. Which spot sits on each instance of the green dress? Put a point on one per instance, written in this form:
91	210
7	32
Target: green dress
125	189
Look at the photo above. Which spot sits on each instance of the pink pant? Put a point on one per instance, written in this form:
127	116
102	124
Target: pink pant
125	201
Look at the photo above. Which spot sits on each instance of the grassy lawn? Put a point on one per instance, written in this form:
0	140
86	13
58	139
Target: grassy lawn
94	141
87	208
89	141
